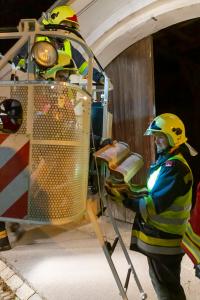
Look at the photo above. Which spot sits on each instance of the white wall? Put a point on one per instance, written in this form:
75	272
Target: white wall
110	26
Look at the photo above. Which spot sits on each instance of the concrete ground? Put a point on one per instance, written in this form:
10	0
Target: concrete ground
67	263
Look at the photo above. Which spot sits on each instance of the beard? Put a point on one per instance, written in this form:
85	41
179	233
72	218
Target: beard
162	149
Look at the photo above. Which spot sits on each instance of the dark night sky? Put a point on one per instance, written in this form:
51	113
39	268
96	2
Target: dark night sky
13	10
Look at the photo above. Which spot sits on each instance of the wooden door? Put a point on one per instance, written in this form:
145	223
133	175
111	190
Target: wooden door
132	104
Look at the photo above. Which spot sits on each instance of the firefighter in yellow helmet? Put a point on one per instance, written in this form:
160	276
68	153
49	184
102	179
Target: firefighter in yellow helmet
162	214
61	15
70	60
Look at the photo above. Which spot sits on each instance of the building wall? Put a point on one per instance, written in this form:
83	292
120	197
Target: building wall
110	27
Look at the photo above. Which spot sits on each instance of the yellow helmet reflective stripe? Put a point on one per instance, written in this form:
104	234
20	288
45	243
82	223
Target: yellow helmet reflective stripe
42	38
61	14
171	125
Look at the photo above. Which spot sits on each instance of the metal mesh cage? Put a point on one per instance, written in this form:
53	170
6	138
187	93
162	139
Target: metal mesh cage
56	120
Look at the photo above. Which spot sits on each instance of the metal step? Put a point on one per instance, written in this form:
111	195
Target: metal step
109	249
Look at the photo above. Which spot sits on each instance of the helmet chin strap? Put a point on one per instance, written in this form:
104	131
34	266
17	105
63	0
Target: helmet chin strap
172	149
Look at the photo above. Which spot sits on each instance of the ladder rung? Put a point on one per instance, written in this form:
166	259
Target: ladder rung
111	248
115	244
127	279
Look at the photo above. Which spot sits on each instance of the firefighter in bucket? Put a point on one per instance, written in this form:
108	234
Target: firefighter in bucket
63	58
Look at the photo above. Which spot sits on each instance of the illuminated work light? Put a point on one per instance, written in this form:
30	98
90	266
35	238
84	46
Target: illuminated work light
44	54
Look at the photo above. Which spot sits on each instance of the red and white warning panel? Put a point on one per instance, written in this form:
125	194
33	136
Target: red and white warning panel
14	174
44	163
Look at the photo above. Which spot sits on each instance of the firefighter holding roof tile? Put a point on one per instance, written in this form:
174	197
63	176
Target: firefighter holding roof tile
162	214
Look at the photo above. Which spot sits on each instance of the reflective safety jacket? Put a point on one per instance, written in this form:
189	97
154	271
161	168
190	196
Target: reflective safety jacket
191	238
161	216
67	47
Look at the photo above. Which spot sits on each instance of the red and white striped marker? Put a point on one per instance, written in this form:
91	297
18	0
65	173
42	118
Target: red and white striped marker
14	175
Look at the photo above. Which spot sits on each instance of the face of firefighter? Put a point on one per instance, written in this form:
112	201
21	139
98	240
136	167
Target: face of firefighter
161	142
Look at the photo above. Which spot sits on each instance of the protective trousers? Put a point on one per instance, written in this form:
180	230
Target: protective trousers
165	277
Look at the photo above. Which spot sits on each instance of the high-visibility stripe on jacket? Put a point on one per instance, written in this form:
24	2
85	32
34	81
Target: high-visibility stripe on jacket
191	238
155	245
191	244
42	38
68	48
82	65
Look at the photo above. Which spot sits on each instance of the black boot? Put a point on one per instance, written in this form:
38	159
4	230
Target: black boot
18	230
4	241
197	270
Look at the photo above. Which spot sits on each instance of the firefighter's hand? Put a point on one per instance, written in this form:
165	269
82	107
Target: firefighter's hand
138	189
197	270
114	194
131	201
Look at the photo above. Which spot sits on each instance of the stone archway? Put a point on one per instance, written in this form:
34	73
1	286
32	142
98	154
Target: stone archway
112	26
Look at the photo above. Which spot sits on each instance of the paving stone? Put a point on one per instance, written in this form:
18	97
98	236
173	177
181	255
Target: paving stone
35	297
24	292
2	265
14	282
6	273
12	287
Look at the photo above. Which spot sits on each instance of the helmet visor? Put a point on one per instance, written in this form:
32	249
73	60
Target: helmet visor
148	132
153	127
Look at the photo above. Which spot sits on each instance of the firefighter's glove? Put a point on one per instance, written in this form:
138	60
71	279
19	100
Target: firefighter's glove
113	193
138	190
131	201
197	270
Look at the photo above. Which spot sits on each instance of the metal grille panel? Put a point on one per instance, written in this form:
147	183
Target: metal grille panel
57	119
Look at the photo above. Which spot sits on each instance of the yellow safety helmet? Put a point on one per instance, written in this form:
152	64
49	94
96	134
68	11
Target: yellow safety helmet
61	15
170	125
